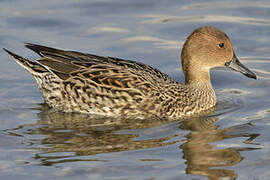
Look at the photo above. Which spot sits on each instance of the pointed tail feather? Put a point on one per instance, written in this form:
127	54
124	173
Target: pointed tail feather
31	66
39	49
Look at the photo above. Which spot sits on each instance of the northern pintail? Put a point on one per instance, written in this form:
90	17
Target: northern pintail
78	82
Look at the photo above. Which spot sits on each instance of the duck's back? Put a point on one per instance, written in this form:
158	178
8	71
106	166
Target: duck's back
64	63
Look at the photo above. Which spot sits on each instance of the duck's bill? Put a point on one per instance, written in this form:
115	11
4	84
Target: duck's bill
235	65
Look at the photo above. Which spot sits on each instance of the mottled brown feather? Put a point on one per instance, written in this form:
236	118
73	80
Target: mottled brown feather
82	60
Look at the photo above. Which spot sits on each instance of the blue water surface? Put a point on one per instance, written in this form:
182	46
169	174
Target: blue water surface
38	143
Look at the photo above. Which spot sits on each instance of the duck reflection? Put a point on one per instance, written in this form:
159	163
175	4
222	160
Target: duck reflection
85	135
205	159
73	137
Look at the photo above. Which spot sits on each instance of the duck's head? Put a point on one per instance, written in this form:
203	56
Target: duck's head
208	47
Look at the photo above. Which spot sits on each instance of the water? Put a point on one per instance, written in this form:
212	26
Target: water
38	143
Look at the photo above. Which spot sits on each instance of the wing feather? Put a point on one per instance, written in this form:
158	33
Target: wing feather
65	63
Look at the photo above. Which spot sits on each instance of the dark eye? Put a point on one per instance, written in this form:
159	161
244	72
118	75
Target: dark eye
221	45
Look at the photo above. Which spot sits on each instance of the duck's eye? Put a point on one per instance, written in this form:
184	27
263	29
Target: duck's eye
221	45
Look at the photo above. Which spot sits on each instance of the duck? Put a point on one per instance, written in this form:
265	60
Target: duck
76	82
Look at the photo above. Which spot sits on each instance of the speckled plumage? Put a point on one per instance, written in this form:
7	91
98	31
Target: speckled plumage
76	82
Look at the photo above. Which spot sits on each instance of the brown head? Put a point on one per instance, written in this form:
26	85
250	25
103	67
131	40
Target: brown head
208	47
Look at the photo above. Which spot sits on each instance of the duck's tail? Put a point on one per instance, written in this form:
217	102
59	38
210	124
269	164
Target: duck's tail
31	66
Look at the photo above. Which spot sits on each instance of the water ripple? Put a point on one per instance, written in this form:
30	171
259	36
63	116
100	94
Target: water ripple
259	61
106	29
157	42
162	19
227	4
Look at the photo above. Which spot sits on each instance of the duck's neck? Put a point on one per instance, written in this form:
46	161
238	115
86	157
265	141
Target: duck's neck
204	96
202	86
194	77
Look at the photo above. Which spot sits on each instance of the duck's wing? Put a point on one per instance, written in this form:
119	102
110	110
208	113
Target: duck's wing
63	63
111	77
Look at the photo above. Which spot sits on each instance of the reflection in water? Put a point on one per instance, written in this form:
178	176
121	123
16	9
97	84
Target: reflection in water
205	159
75	137
84	135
